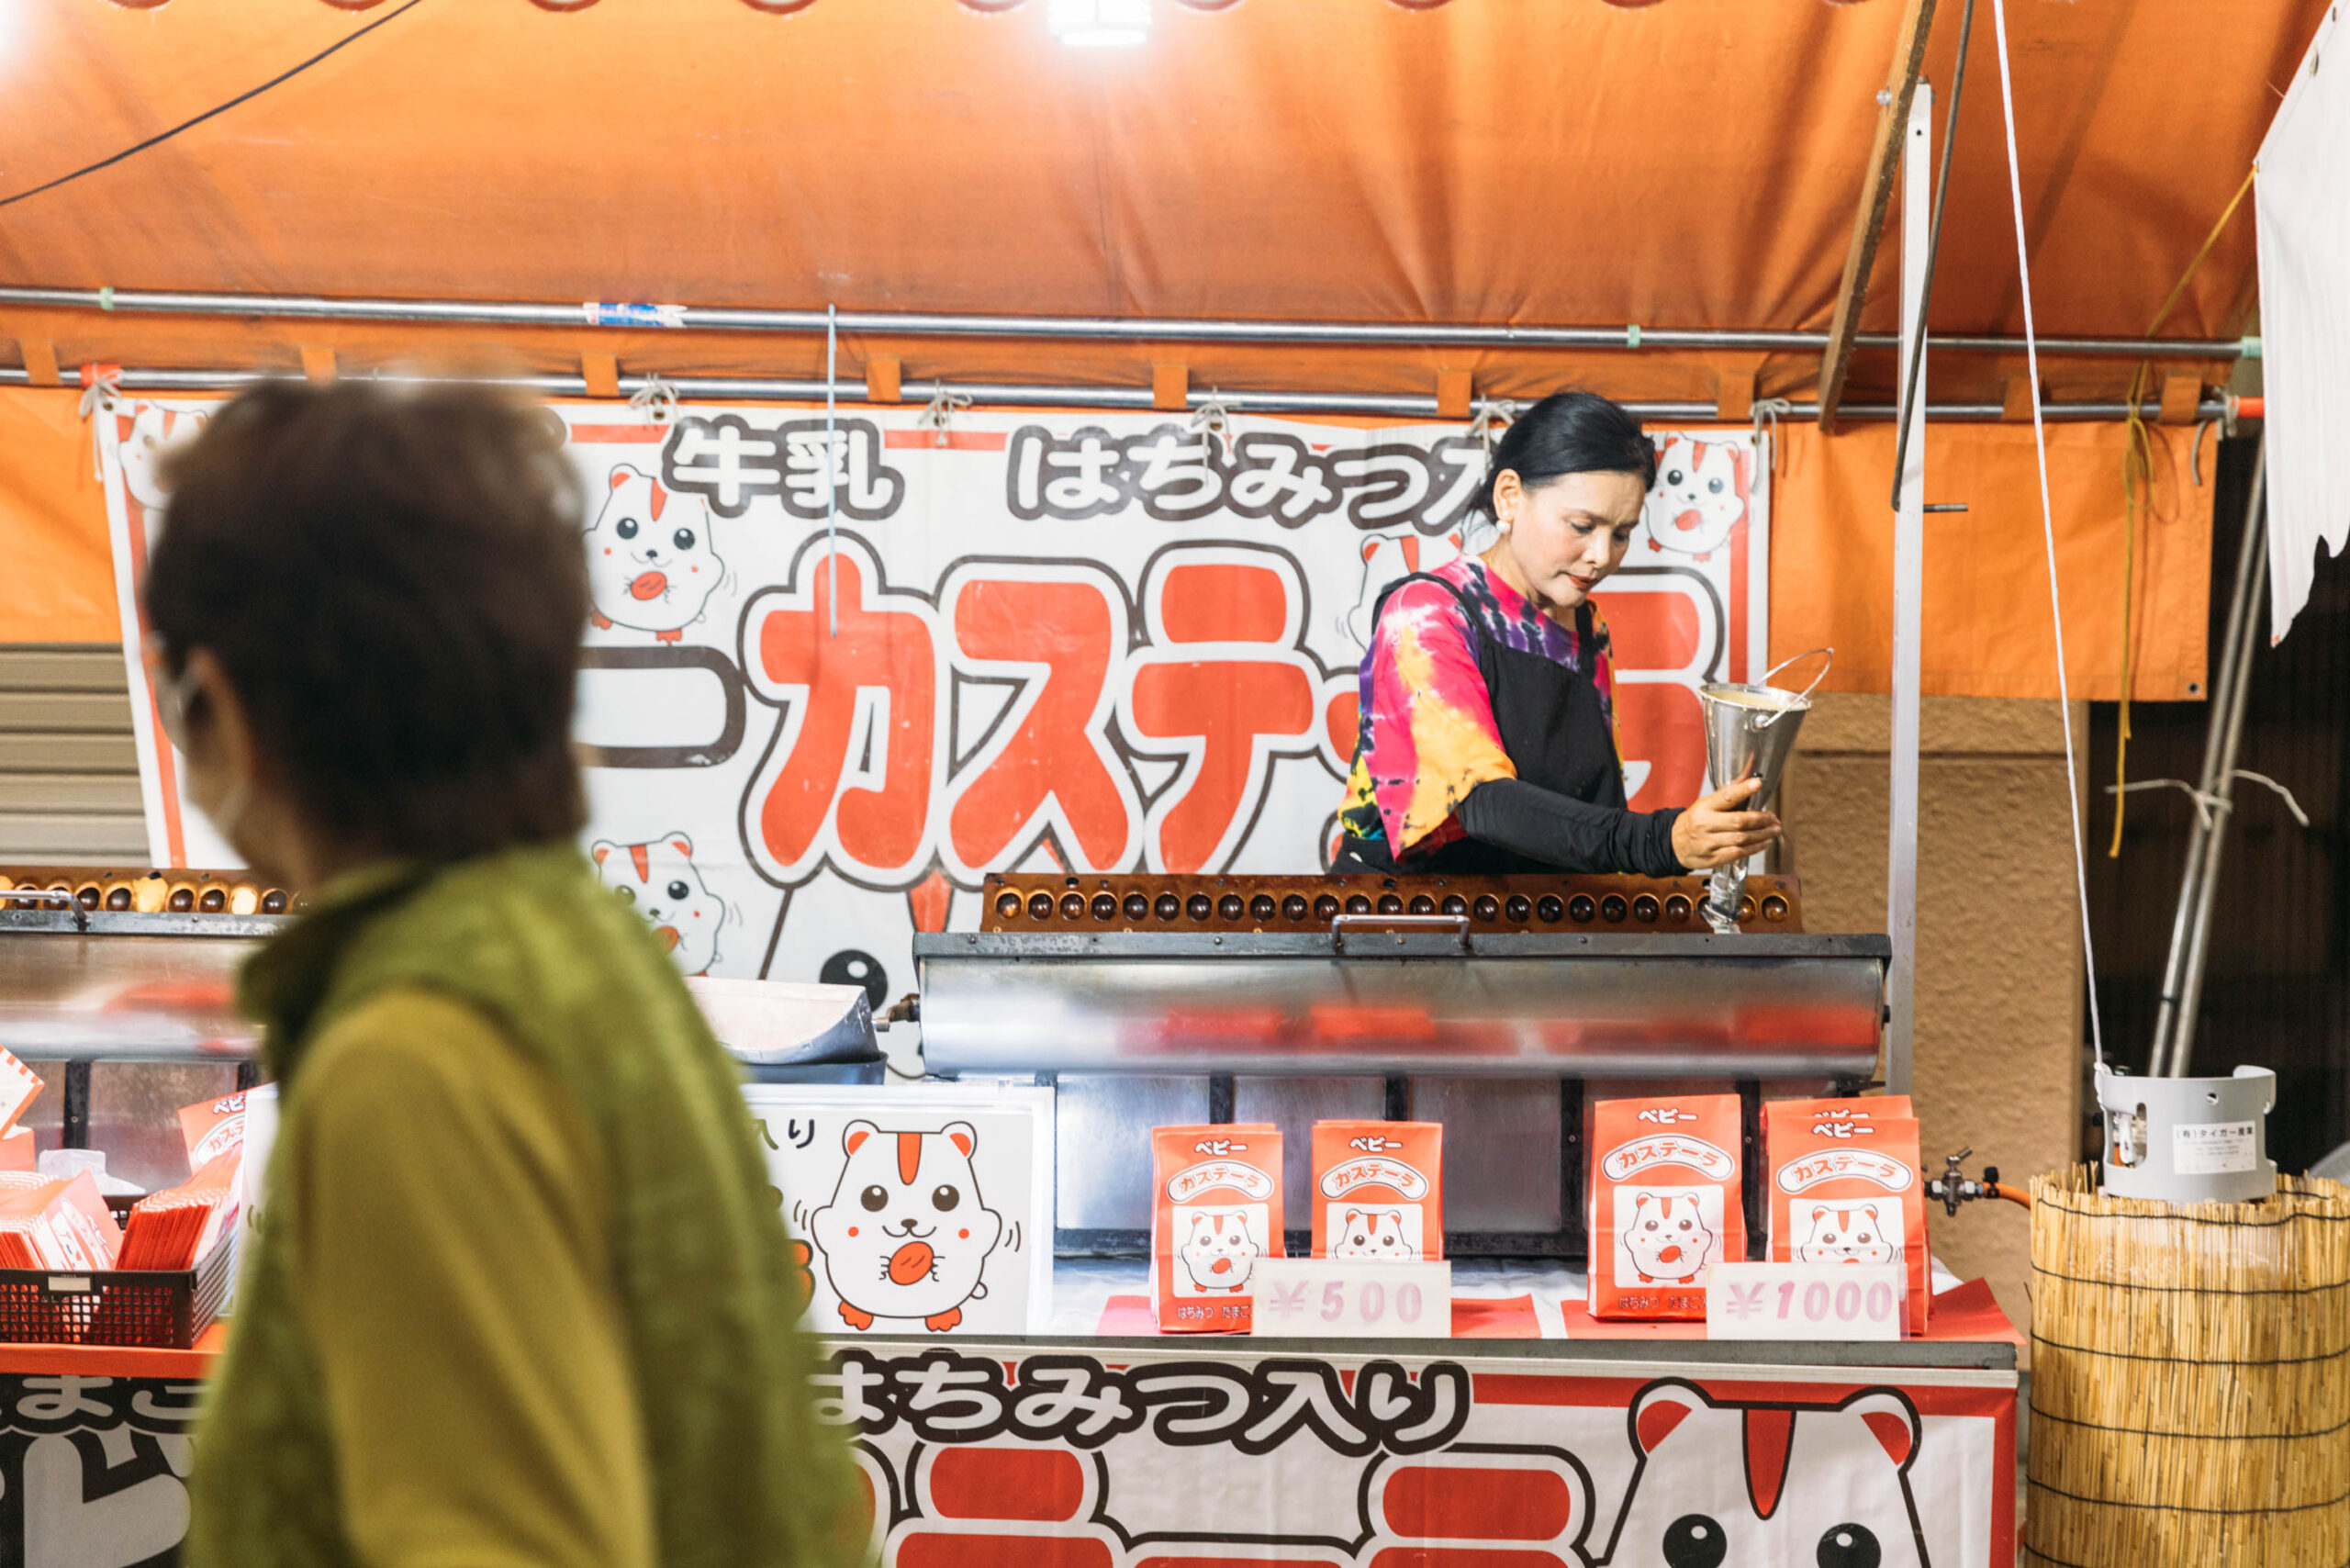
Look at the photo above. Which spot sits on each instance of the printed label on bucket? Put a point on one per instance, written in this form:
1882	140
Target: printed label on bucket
2215	1148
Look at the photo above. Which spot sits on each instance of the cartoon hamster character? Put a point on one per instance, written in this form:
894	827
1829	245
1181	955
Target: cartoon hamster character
1386	557
906	1234
650	563
1218	1253
659	877
154	431
1846	1233
1720	1484
1668	1238
1700	495
1372	1233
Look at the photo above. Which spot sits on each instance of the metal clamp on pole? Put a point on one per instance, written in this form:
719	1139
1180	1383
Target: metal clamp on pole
1397	925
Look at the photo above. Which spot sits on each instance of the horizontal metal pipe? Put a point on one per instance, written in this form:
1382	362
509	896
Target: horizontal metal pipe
932	324
1025	395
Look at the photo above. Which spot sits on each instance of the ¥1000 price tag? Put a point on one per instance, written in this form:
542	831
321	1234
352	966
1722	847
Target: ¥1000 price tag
1807	1301
1302	1298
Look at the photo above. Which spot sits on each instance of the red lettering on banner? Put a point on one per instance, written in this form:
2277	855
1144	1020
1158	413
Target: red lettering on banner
1220	604
863	1509
1222	682
873	688
1652	630
1342	722
936	1548
1060	634
1229	706
1659	723
1461	1557
1452	1503
1007	1483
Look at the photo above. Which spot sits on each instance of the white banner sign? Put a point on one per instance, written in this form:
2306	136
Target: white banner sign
829	688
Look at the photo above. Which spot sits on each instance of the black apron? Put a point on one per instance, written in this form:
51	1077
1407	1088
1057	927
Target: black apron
1552	725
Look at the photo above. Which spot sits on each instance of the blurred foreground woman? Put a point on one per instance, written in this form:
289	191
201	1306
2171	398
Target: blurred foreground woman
520	1293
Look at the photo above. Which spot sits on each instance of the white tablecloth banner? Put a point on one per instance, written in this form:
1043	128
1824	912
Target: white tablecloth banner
2304	206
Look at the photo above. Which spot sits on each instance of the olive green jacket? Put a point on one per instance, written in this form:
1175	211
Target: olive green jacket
742	1474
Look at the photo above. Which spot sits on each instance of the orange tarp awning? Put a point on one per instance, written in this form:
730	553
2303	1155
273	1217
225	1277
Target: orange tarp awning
1988	627
1692	164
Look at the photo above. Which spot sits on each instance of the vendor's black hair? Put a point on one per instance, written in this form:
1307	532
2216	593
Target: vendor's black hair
394	584
1571	433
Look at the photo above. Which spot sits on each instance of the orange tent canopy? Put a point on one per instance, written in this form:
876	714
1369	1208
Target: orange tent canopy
1692	163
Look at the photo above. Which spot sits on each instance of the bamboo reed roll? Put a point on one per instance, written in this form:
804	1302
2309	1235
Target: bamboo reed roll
2190	1387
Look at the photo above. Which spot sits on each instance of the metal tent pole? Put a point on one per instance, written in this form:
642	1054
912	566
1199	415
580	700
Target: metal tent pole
1909	599
934	324
2182	993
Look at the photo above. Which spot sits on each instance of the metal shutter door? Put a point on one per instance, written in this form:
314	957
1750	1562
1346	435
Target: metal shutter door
68	772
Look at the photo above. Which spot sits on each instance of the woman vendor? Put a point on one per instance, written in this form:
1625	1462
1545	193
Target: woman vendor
1488	735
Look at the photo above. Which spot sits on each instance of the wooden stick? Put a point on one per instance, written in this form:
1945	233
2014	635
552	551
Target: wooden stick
1876	197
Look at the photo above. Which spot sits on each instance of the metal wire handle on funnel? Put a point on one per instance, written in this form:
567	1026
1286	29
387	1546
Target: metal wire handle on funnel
1744	739
1803	698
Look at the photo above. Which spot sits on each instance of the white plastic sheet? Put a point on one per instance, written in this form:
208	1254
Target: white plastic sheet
2304	210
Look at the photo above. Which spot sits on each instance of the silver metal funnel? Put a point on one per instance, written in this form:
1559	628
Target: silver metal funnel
1750	732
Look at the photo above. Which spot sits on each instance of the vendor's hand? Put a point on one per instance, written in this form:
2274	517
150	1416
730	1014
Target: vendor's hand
1714	832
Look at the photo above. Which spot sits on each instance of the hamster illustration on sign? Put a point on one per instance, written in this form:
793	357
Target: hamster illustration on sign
659	877
914	1210
650	563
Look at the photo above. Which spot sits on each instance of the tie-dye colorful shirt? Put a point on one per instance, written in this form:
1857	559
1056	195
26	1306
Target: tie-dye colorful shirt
1426	735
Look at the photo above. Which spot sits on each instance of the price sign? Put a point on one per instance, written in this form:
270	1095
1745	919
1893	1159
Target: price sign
1298	1298
1807	1301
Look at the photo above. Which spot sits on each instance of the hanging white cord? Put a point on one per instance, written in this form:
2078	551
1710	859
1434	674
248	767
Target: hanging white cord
2048	528
832	468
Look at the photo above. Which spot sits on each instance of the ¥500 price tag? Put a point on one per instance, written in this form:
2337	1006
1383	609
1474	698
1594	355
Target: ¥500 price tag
1300	1298
1807	1301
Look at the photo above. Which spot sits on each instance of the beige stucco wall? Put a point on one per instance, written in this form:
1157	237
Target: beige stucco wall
1999	981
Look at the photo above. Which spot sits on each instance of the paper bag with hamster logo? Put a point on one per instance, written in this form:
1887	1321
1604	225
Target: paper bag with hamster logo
1215	1209
1846	1188
1665	1203
1378	1190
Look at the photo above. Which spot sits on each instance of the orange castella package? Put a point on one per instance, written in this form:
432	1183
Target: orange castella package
18	1087
177	1228
1379	1190
1665	1203
58	1225
212	1127
1846	1188
1215	1208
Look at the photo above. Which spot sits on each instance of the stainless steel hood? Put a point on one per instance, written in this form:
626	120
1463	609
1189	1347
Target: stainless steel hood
1565	1005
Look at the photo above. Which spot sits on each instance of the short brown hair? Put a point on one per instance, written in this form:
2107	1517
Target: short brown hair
393	580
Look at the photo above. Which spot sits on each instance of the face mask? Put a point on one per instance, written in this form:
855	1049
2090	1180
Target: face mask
173	698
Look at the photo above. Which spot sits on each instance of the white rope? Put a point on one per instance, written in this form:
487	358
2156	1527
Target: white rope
101	387
2206	805
1766	414
1488	413
832	468
2291	805
944	401
1214	416
656	401
2048	529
